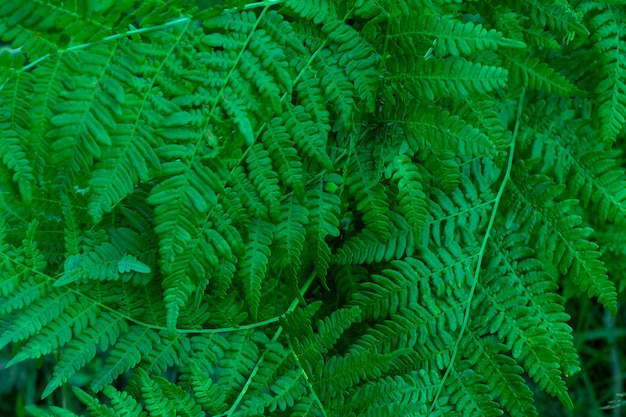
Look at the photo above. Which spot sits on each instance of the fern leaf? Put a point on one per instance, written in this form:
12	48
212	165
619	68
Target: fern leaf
323	210
411	197
14	157
310	351
431	127
560	231
357	56
83	121
471	395
365	247
314	102
342	372
14	141
531	72
56	333
121	167
206	393
610	89
123	404
253	265
243	191
186	194
82	349
127	353
307	135
34	316
453	37
102	263
501	373
559	16
130	263
168	352
482	113
447	77
156	403
406	329
591	172
183	403
336	85
318	11
284	156
385	293
370	195
286	390
264	178
290	239
93	405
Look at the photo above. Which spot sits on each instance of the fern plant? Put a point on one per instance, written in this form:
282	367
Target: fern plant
321	208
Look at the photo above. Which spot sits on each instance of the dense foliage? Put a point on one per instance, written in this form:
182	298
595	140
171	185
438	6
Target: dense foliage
311	208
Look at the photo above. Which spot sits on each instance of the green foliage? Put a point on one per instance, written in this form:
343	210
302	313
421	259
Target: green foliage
308	208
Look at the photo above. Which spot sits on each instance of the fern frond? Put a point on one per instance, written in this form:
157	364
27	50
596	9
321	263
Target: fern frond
129	348
366	247
182	401
384	294
170	351
449	77
314	102
309	137
501	373
411	197
289	239
342	372
469	394
102	263
452	37
369	194
264	178
14	124
244	192
531	72
558	16
464	210
93	405
285	391
186	194
34	314
433	127
310	350
206	393
82	348
324	211
562	236
317	11
610	87
284	156
408	328
590	171
122	403
482	113
83	121
253	266
336	85
155	401
444	166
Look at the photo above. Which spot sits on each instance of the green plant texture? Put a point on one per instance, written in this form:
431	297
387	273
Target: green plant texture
376	208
